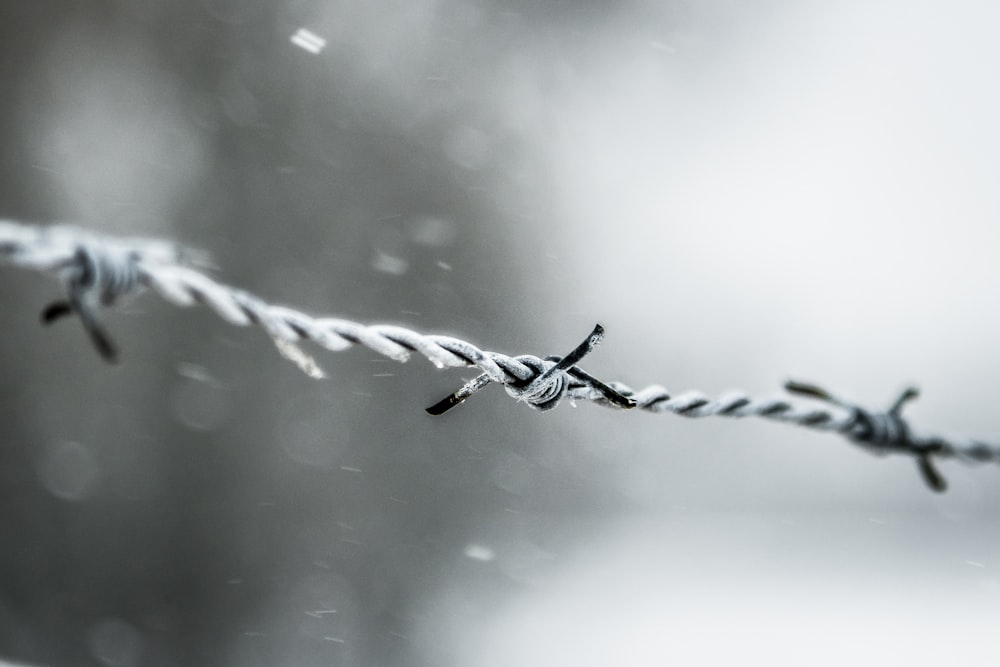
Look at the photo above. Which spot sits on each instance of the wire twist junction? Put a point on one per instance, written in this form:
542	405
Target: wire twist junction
100	271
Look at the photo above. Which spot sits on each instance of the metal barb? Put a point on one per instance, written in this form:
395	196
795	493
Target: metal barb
56	311
98	336
607	392
467	390
932	477
882	431
562	364
78	287
905	397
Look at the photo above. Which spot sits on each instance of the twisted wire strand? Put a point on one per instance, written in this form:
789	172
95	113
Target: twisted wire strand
99	271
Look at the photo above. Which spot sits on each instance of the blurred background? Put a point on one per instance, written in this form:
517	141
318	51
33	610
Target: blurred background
741	193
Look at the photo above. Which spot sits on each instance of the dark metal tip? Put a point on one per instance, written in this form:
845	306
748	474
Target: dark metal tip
907	395
932	477
101	340
55	311
444	405
105	347
805	389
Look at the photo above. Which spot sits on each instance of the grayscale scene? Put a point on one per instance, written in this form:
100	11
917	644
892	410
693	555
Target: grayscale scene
742	195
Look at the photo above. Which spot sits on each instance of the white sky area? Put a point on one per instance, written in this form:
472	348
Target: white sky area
826	178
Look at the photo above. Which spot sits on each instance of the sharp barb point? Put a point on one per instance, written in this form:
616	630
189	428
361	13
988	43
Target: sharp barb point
932	477
806	389
905	397
444	405
55	311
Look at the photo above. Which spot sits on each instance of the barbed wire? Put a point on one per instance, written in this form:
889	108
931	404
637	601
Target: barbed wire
100	271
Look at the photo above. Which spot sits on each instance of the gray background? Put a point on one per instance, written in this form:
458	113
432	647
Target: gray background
739	192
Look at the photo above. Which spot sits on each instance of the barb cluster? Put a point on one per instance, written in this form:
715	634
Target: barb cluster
99	271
